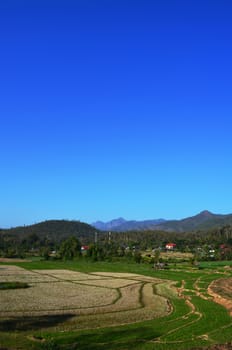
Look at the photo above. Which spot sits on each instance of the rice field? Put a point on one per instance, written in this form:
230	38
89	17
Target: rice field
221	291
118	297
85	309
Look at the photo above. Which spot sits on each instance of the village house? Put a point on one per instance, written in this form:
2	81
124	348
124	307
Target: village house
170	246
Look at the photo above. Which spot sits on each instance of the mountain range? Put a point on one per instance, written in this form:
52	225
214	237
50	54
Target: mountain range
57	230
121	224
201	221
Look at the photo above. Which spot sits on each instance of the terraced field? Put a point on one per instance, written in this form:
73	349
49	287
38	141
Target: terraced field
88	309
112	298
221	290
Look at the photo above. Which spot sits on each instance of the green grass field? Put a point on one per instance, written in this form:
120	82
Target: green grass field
195	319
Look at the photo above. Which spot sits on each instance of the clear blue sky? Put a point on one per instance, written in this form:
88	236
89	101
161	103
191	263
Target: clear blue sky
115	108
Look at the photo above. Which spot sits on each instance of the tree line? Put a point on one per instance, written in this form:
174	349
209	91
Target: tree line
116	244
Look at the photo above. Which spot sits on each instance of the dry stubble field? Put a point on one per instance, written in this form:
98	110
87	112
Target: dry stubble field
92	299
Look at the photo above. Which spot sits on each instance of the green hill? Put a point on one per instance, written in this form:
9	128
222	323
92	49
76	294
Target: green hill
55	230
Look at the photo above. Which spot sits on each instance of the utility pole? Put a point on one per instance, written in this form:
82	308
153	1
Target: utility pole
95	237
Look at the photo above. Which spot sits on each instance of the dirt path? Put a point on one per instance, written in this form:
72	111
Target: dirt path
13	260
216	347
198	289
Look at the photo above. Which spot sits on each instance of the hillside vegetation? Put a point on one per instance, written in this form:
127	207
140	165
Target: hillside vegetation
56	230
48	236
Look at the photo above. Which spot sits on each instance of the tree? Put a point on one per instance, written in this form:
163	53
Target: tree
96	252
70	248
157	256
44	252
137	257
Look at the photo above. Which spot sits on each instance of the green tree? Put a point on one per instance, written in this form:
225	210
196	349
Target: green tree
137	257
70	248
96	252
44	252
157	256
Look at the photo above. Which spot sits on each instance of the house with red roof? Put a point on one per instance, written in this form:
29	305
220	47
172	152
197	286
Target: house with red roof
170	246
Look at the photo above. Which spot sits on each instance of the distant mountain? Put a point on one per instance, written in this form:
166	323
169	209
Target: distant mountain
140	225
203	220
110	225
120	224
57	230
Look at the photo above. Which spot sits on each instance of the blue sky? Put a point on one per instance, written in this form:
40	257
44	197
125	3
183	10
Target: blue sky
114	108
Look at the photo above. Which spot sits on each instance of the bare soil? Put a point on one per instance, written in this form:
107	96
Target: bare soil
216	347
221	291
4	260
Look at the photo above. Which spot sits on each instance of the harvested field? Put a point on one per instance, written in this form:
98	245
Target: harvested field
71	309
6	270
97	297
175	255
18	274
117	274
128	276
58	296
68	275
13	260
110	282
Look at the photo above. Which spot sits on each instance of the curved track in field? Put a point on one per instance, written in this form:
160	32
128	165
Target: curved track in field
92	299
100	300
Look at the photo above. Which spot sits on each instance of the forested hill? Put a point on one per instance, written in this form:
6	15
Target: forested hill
55	230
